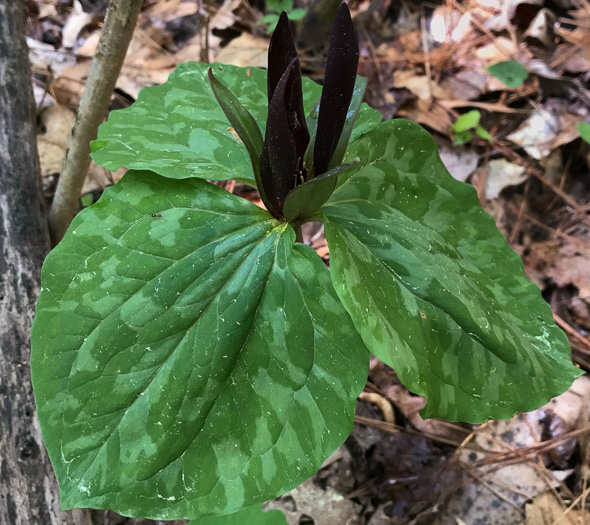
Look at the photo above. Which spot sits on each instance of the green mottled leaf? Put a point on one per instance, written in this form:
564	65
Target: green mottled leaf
250	516
466	121
433	287
188	358
95	145
584	131
512	73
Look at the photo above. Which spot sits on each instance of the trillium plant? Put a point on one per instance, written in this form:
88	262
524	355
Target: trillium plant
193	358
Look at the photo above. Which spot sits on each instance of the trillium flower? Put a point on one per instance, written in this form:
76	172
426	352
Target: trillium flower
297	163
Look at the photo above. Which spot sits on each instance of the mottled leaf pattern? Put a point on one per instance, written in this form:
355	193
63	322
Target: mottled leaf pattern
434	288
188	357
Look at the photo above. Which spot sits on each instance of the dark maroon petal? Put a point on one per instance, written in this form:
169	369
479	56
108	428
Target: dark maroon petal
281	52
341	69
285	140
295	111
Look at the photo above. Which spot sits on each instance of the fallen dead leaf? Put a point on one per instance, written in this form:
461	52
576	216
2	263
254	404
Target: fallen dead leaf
502	173
419	85
432	115
310	500
246	50
45	58
460	161
222	18
546	130
55	125
546	510
75	23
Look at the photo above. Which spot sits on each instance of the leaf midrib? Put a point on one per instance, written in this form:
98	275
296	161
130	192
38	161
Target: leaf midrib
173	350
362	245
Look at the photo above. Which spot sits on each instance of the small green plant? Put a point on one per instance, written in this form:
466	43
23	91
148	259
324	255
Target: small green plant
87	200
584	131
512	73
191	359
278	6
468	124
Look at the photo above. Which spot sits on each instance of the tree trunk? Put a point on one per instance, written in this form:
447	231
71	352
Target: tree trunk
28	491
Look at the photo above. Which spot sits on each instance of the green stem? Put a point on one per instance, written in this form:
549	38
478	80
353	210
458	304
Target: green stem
298	234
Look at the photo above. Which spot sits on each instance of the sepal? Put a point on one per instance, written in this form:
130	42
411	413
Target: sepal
242	121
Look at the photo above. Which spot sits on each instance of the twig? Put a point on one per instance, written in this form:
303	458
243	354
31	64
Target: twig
567	328
516	227
426	51
581	497
382	403
548	228
106	65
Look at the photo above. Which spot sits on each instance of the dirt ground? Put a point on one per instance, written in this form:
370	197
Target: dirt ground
522	150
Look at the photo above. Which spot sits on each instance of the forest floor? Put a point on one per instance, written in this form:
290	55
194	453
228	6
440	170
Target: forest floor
519	146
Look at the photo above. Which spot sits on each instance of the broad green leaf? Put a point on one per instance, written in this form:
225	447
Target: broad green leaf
250	516
466	121
355	103
434	288
584	131
510	72
272	20
188	358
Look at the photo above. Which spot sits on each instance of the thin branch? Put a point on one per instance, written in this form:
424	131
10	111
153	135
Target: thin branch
106	65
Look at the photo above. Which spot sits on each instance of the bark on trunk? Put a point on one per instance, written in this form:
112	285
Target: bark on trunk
28	491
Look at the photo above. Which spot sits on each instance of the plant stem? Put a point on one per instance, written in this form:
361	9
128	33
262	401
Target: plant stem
298	234
106	65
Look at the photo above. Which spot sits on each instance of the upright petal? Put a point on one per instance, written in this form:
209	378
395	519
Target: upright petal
281	52
339	80
284	142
